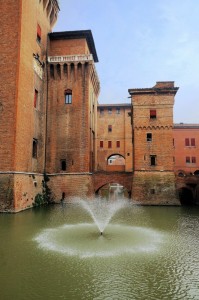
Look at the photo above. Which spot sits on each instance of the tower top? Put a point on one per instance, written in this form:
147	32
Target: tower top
77	34
162	87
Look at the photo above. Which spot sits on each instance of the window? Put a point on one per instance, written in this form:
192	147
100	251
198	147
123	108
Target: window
36	99
118	144
101	111
109	111
63	164
193	143
186	142
38	33
109	144
193	160
152	113
187	159
34	148
109	128
149	137
101	144
117	110
68	97
153	160
190	142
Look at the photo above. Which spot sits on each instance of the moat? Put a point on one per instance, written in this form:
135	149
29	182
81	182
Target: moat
57	252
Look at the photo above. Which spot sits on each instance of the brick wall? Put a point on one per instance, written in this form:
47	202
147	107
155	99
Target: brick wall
70	185
180	134
120	131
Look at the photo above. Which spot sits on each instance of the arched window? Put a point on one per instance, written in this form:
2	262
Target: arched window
68	97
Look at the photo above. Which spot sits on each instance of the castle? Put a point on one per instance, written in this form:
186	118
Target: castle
52	126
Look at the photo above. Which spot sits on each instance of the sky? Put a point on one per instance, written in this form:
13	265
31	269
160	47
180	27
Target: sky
139	42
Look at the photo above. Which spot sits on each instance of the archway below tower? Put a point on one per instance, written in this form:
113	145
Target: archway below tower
113	191
115	162
186	196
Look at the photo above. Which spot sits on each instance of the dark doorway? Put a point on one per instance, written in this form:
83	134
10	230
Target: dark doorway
186	196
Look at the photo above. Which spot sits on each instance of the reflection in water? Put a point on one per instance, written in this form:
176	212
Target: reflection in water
162	263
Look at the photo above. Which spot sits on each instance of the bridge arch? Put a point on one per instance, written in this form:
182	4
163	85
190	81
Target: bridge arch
103	178
186	196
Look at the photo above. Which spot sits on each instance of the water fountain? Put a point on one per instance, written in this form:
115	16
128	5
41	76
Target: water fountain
102	237
57	252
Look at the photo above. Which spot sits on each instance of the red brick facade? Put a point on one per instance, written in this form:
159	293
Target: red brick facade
51	123
153	151
114	138
186	148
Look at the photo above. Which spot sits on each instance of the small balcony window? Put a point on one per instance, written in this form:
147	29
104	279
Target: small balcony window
101	144
109	128
109	144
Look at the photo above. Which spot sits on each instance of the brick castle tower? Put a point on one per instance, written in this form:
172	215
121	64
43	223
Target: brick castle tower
24	33
153	149
73	89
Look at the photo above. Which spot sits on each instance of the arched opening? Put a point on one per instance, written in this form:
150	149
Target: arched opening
186	196
196	173
115	162
113	191
59	70
52	71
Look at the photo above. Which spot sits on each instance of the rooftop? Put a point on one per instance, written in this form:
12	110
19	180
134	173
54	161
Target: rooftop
160	87
186	126
77	34
115	105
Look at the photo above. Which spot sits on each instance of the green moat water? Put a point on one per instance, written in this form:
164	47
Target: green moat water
57	252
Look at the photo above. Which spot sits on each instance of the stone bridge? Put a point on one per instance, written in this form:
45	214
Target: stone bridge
102	178
188	189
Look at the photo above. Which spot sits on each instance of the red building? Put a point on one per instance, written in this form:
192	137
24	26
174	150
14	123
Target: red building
186	148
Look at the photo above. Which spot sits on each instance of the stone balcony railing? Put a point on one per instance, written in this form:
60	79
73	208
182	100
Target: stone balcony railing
70	58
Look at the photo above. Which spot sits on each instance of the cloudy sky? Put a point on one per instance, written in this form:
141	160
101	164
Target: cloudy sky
139	42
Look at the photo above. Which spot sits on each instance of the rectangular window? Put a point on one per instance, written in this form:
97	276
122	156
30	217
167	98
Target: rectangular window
68	97
109	111
193	143
149	137
187	159
36	99
118	144
186	142
109	144
63	164
38	33
34	148
117	110
101	111
153	160
101	144
109	128
193	160
152	113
